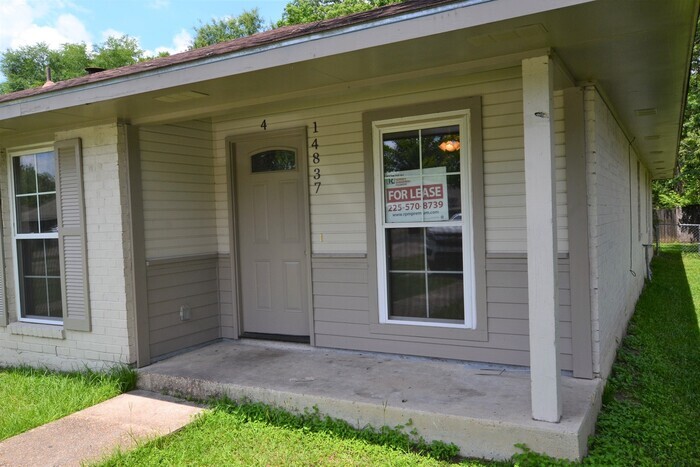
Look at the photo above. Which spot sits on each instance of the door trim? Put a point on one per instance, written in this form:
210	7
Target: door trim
233	219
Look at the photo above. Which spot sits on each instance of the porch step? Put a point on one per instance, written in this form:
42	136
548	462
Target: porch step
483	409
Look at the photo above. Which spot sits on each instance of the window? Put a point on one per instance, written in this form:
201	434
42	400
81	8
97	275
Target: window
273	161
424	236
36	236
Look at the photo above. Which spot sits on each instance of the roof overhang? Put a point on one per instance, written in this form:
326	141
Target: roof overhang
636	51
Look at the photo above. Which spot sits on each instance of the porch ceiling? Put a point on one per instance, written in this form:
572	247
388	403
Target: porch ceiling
636	51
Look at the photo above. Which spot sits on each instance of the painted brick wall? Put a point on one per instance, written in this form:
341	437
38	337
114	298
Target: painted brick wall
106	212
617	254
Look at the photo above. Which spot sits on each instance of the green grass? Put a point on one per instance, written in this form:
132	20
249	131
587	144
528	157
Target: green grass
651	403
651	412
253	434
31	397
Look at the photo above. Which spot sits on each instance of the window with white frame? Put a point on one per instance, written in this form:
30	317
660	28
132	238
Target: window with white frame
37	264
424	230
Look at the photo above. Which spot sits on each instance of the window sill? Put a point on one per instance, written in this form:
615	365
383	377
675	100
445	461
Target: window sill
37	330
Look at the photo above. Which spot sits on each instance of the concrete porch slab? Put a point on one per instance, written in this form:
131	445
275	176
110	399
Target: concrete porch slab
484	409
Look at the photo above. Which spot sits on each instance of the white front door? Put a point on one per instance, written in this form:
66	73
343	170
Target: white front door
272	234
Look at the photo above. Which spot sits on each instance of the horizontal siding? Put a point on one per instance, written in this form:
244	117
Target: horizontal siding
342	315
226	306
190	281
338	210
177	173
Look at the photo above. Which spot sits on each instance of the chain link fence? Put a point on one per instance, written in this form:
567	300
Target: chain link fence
687	235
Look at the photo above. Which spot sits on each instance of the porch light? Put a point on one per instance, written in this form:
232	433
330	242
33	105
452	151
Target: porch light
449	146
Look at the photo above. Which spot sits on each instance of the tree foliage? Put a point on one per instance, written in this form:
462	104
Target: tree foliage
684	188
232	27
116	52
307	11
25	67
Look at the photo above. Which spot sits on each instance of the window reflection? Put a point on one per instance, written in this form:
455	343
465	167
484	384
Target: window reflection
272	161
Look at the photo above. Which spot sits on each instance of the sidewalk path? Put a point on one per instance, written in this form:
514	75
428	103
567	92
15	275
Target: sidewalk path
97	431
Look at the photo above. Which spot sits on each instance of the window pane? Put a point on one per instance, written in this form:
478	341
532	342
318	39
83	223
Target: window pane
407	295
441	148
53	267
46	171
47	212
270	161
25	175
55	303
40	278
31	253
406	249
34	297
27	214
401	151
446	292
444	248
454	197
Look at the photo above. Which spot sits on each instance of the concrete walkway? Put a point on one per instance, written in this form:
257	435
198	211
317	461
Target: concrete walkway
97	431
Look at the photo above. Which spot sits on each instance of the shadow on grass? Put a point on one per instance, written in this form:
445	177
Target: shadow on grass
651	403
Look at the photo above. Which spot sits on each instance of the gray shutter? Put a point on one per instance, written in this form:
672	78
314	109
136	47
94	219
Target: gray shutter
71	235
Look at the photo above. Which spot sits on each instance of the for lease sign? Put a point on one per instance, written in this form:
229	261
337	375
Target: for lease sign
410	197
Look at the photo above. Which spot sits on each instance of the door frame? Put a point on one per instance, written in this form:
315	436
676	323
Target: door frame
234	221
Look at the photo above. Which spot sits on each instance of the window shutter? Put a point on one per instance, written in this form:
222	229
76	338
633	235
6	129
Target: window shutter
71	235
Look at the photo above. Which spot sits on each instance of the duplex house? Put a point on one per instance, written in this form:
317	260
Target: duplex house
459	179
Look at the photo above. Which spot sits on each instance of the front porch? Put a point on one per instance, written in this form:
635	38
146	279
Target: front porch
484	409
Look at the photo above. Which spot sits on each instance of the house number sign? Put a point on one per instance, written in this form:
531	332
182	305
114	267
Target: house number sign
316	160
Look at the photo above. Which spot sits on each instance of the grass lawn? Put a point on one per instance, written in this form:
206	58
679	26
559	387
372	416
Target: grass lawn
29	397
651	404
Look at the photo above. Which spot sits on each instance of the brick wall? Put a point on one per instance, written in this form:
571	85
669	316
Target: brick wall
617	254
111	339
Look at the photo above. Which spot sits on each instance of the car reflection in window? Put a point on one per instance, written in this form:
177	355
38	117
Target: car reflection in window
444	246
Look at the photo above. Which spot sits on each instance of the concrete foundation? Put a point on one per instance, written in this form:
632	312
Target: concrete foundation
483	409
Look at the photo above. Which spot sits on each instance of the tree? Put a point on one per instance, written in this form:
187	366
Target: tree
684	188
25	67
232	27
307	11
116	52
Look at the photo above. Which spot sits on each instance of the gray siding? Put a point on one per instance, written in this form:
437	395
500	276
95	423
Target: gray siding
342	314
226	307
177	177
192	282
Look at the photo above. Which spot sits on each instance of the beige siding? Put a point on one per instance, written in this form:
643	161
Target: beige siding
342	315
338	210
177	170
504	174
617	265
193	283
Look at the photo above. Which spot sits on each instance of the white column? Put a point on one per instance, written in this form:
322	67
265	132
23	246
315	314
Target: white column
540	202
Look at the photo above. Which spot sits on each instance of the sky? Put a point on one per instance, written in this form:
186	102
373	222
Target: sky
158	25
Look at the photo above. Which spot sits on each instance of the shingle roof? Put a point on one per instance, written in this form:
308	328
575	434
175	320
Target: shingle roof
262	39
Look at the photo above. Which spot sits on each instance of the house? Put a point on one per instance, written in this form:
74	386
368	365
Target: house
465	180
